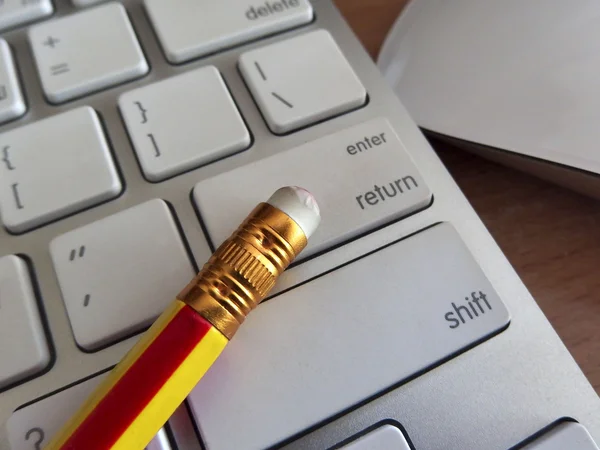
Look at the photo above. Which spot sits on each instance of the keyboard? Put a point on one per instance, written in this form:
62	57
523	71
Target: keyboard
136	135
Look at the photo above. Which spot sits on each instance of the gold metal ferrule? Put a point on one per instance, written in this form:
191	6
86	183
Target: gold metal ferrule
242	271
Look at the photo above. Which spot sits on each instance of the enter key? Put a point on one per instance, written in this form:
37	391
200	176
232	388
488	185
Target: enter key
362	176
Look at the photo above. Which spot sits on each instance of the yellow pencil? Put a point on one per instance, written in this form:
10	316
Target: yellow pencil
145	388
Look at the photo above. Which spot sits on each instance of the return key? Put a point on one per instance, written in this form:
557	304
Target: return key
357	193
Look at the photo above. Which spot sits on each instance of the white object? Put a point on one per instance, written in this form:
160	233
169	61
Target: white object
17	12
371	332
386	437
369	180
32	427
86	52
188	29
12	104
173	130
566	436
53	168
301	80
300	205
118	274
513	75
23	347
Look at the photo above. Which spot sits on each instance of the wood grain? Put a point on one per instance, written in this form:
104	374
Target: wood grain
549	234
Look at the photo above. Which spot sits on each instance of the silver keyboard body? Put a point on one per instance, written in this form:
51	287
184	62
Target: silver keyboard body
492	396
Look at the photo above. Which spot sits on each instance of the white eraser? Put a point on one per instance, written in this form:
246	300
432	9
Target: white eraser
300	205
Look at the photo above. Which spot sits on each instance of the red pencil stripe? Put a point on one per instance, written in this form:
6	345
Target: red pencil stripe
115	412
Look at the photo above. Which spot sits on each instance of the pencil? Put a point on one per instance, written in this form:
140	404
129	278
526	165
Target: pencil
153	379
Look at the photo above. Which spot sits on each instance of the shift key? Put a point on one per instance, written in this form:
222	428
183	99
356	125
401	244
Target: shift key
322	348
362	177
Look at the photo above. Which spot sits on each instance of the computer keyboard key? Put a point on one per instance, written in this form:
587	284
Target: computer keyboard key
85	52
18	12
368	180
33	426
188	29
12	104
53	168
171	128
301	80
23	346
566	436
317	350
117	274
386	437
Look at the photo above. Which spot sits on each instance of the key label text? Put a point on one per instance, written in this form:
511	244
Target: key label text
366	144
476	305
385	192
272	7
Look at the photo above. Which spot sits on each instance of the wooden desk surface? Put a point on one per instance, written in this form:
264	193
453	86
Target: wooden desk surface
550	235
